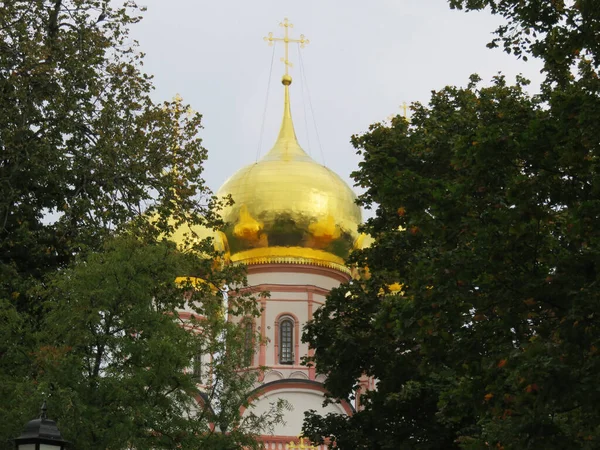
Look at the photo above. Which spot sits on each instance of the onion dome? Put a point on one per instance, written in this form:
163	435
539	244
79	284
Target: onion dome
186	235
288	208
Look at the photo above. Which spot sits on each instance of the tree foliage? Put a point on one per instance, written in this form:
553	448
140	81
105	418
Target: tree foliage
561	33
83	149
116	351
94	179
487	212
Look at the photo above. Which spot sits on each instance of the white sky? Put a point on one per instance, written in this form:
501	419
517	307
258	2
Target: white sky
364	59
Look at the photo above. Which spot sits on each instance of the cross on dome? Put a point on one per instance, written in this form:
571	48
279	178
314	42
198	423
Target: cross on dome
286	39
404	114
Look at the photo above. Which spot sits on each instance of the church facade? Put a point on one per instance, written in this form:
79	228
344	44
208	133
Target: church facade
292	224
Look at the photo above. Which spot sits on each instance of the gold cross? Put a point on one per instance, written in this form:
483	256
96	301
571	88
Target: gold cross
404	110
178	99
178	109
286	39
404	107
301	445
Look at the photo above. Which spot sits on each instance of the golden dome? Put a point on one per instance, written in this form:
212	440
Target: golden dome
288	208
187	235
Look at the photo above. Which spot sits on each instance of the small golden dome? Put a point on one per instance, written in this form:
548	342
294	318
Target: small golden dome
289	209
187	237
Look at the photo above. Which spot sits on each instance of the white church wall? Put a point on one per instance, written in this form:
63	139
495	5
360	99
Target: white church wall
300	400
293	278
296	291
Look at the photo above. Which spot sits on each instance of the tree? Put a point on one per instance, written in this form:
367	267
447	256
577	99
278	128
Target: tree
83	149
116	363
88	313
487	213
561	33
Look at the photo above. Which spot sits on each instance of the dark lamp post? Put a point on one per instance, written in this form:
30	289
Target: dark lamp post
41	434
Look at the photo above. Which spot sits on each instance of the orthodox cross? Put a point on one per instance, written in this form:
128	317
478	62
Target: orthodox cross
404	110
404	107
177	109
286	39
301	445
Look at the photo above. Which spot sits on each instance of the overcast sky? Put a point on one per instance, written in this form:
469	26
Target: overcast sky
364	59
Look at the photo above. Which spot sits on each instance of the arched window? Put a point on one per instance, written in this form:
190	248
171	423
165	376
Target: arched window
248	343
286	338
197	366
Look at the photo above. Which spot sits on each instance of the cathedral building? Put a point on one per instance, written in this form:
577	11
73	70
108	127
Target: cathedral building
293	223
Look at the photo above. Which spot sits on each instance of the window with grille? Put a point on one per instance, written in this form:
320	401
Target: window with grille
248	344
286	334
197	367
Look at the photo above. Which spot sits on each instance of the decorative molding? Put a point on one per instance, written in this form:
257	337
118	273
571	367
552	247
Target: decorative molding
281	442
262	356
311	351
258	288
298	375
274	373
291	256
291	383
299	268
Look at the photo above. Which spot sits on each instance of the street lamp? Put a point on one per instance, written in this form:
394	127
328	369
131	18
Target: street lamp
41	434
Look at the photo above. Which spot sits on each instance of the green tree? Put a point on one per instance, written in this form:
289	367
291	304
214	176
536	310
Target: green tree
87	319
83	149
562	33
115	354
487	211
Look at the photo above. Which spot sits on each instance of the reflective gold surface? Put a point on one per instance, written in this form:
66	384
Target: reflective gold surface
247	227
196	233
195	282
303	444
288	208
363	241
290	255
185	236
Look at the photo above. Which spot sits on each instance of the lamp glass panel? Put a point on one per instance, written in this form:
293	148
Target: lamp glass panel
26	446
50	446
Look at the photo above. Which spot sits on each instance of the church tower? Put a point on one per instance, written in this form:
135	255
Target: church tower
293	223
